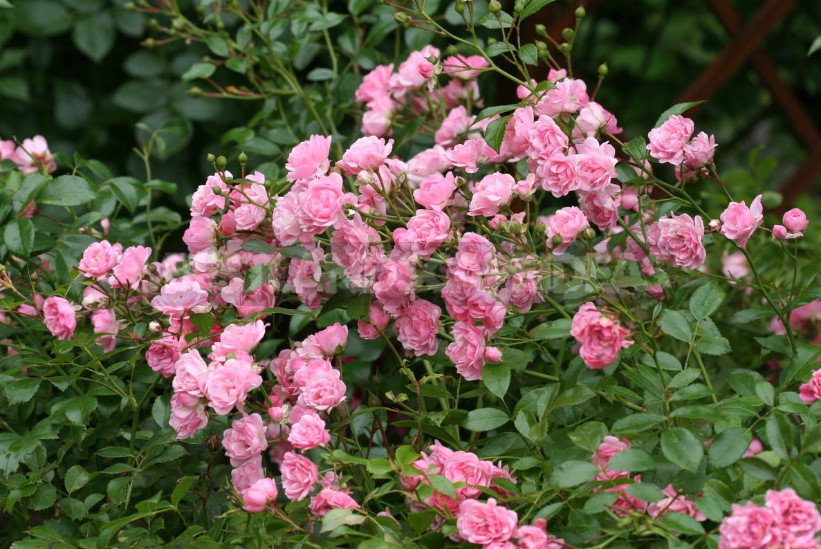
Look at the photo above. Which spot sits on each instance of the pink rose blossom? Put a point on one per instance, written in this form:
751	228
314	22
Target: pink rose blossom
567	224
417	327
366	153
305	278
795	221
485	523
476	254
299	475
467	350
491	193
393	285
179	298
321	203
780	232
377	318
163	354
559	174
309	432
228	385
469	155
99	258
206	202
811	391
674	503
609	447
424	233
323	391
601	207
677	240
105	322
435	192
251	202
33	155
465	68
453	127
285	220
546	140
596	166
254	301
191	374
569	96
201	234
245	439
375	84
309	159
794	515
739	222
131	268
332	340
187	415
262	493
755	448
593	118
517	132
667	142
601	338
60	317
239	338
749	527
247	473
329	498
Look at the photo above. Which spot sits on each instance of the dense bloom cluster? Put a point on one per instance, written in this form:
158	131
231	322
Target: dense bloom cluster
785	520
601	338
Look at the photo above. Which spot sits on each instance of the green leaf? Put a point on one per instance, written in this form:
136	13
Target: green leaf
679	108
217	45
114	452
21	390
296	252
685	524
496	378
258	246
713	345
556	329
28	190
675	324
573	473
816	45
495	132
681	447
199	70
76	478
588	435
749	315
494	110
705	300
684	378
442	484
340	517
66	190
359	306
485	419
116	489
94	35
73	508
780	435
631	460
319	74
533	7
256	277
356	7
529	55
44	497
42	18
203	322
182	487
161	412
127	192
728	447
645	491
805	481
19	237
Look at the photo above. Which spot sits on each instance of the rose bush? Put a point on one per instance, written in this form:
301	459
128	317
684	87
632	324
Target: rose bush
474	325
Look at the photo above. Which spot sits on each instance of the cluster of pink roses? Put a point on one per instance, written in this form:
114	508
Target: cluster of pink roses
484	523
785	521
601	338
31	156
673	143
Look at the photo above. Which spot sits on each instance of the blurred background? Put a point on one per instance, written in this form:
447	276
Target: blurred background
81	73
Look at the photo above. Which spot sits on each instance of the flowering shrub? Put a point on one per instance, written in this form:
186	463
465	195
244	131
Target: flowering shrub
476	324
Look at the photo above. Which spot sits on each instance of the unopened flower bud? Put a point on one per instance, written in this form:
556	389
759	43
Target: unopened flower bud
714	225
539	227
452	50
771	199
195	91
580	13
491	41
589	233
242	158
147	43
565	47
210	158
222	162
780	232
493	354
401	17
568	34
154	327
557	239
495	6
518	7
276	413
212	443
603	69
130	6
228	179
504	226
459	8
541	30
512	269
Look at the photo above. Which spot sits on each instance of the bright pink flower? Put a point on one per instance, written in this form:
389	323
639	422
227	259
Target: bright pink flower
811	391
491	193
558	174
485	523
674	503
366	153
435	192
749	527
299	475
377	318
354	247
677	240
425	232
34	154
305	278
780	232
569	96
470	155
309	159
247	473
228	385
323	391
427	162
250	206
609	447
535	537
131	268
376	120
567	224
546	140
239	338
755	448
475	254
465	68
262	493
601	207
517	132
179	298
321	203
191	374
417	327
698	152
329	498
393	285
467	350
163	354
245	439
601	338
187	414
309	432
330	341
206	202
739	222
793	514
375	84
59	317
105	322
596	166
592	118
254	301
667	142
285	219
99	258
795	221
413	72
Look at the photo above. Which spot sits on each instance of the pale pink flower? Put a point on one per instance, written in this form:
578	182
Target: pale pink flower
377	318
251	202
201	234
453	127
309	432
249	303
749	527
678	240
191	374
517	132
228	385
305	278
754	448
366	153
376	120
321	203
424	233
393	285
609	447
811	391
739	222
470	155
239	338
309	159
795	221
354	247
435	192
558	174
596	166
245	439
59	316
261	494
33	155
667	142
329	498
206	201
475	254
674	503
414	72
131	268
330	341
163	354
698	152
247	473
780	232
546	140
187	414
794	515
485	523
467	350
567	224
299	475
417	327
569	96
99	258
491	193
285	220
593	118
427	162
601	207
323	391
465	68
375	84
601	337
179	298
105	322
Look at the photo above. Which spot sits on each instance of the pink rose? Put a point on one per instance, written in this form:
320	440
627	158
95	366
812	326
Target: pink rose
332	340
187	415
366	153
228	385
201	234
567	224
435	191
793	514
592	118
262	493
299	475
309	432
163	354
250	205
180	298
677	240
323	391
377	318
485	523
321	203
131	268
467	350
491	193
99	258
470	155
780	232
247	473
609	447
668	140
417	327
239	338
414	71
755	448
329	498
453	127
354	247
464	68
192	373
393	285
596	165
546	140
105	322
59	316
254	301
476	254
601	338
375	84
739	222
517	132
285	219
749	527
33	155
811	391
206	202
601	207
245	439
795	221
424	233
309	159
674	503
